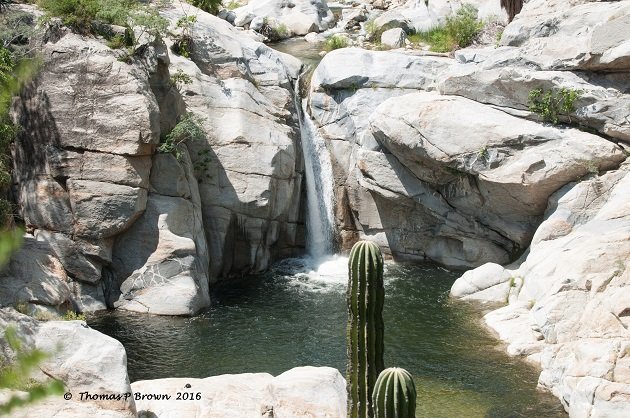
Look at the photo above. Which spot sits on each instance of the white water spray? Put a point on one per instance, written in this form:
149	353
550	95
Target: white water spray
319	186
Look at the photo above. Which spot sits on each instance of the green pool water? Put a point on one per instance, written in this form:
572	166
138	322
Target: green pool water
287	319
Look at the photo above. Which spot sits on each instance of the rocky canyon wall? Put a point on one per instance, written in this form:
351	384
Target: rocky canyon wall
115	223
440	158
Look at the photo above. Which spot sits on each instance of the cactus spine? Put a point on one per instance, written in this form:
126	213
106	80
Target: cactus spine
365	298
394	394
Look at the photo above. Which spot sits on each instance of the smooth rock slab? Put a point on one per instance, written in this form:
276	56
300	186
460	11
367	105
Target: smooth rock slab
518	163
489	282
83	358
302	392
159	261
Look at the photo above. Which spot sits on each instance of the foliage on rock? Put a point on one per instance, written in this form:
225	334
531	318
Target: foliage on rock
15	375
184	41
81	14
553	104
143	22
459	31
210	6
180	78
336	42
187	129
274	32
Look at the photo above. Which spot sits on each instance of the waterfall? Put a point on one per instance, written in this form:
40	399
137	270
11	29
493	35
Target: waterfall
320	219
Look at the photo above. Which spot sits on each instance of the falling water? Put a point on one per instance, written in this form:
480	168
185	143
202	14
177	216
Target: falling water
319	187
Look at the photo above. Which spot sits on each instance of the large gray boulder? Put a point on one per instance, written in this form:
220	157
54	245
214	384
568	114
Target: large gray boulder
393	38
162	260
35	278
313	392
580	35
72	348
570	290
492	168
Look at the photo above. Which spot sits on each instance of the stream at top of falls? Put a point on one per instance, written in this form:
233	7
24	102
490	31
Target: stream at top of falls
295	315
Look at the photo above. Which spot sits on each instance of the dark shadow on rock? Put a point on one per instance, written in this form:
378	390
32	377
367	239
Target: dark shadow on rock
38	131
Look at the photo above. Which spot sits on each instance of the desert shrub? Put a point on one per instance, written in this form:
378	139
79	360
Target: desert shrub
437	38
372	31
552	104
274	32
147	21
80	14
233	5
187	129
73	316
180	78
184	41
16	29
464	26
459	31
336	42
210	6
83	16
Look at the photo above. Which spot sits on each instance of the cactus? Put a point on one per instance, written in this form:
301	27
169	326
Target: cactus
365	298
394	394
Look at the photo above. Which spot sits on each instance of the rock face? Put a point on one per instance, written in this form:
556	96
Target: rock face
444	141
164	255
249	168
313	392
73	348
551	35
571	291
399	183
601	105
567	306
438	177
123	226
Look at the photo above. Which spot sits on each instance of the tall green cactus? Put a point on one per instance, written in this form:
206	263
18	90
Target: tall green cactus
365	298
394	394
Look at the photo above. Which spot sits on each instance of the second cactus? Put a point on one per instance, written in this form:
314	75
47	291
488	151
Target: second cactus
365	297
394	394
